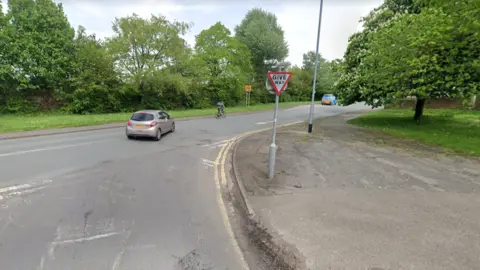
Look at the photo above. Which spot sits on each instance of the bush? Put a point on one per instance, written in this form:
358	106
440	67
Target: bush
94	99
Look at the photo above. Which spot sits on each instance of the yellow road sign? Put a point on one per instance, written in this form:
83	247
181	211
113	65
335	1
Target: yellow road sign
248	88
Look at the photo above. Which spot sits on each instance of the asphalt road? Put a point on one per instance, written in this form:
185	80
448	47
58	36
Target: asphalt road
95	200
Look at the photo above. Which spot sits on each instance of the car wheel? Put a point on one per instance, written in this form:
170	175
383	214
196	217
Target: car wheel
173	127
130	137
158	136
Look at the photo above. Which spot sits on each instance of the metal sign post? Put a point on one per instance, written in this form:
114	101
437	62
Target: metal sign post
272	151
278	81
248	89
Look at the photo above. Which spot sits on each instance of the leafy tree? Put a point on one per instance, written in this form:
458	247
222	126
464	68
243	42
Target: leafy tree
166	89
144	46
299	86
423	48
329	75
433	54
5	65
96	81
309	61
41	44
223	65
326	76
44	64
349	83
264	37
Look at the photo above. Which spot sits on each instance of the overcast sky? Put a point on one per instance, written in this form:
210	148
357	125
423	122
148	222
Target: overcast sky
298	18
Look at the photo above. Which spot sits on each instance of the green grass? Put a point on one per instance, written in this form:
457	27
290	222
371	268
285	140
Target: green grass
458	130
13	123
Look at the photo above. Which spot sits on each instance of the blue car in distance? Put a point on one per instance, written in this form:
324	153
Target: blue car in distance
329	99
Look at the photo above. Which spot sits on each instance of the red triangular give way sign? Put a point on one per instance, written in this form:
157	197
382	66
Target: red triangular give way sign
279	80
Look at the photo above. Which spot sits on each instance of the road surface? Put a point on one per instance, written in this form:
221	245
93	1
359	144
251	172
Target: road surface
95	200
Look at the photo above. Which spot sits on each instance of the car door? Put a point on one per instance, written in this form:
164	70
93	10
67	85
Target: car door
162	120
169	122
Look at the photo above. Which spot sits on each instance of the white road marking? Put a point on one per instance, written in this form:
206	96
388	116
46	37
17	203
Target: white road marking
27	191
264	123
84	239
13	188
25	186
216	144
45	149
142	247
118	258
208	162
51	250
42	262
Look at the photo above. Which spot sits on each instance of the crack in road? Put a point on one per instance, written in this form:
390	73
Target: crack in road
87	214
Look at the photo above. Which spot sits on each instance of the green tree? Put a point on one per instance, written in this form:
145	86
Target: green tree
433	54
424	48
5	67
299	86
223	65
144	46
326	76
309	61
96	81
264	37
348	85
41	44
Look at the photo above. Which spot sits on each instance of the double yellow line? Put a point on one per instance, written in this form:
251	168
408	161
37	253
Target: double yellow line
221	182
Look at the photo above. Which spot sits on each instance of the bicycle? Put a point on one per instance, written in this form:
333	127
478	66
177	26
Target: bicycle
220	114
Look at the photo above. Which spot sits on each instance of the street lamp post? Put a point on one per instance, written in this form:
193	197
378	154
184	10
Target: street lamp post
312	105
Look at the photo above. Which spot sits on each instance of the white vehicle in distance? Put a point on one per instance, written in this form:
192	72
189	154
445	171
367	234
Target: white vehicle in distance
150	124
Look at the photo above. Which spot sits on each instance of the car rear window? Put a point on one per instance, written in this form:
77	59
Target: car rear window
142	117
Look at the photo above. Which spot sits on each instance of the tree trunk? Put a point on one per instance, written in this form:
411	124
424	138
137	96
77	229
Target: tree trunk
419	109
142	92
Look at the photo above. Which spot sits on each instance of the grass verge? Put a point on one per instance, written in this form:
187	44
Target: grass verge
15	123
458	130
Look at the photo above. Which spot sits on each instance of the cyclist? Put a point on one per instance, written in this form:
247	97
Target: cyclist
220	108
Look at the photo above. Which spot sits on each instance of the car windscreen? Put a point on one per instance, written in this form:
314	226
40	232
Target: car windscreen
142	117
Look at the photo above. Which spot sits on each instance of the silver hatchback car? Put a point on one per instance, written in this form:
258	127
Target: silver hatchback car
149	123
